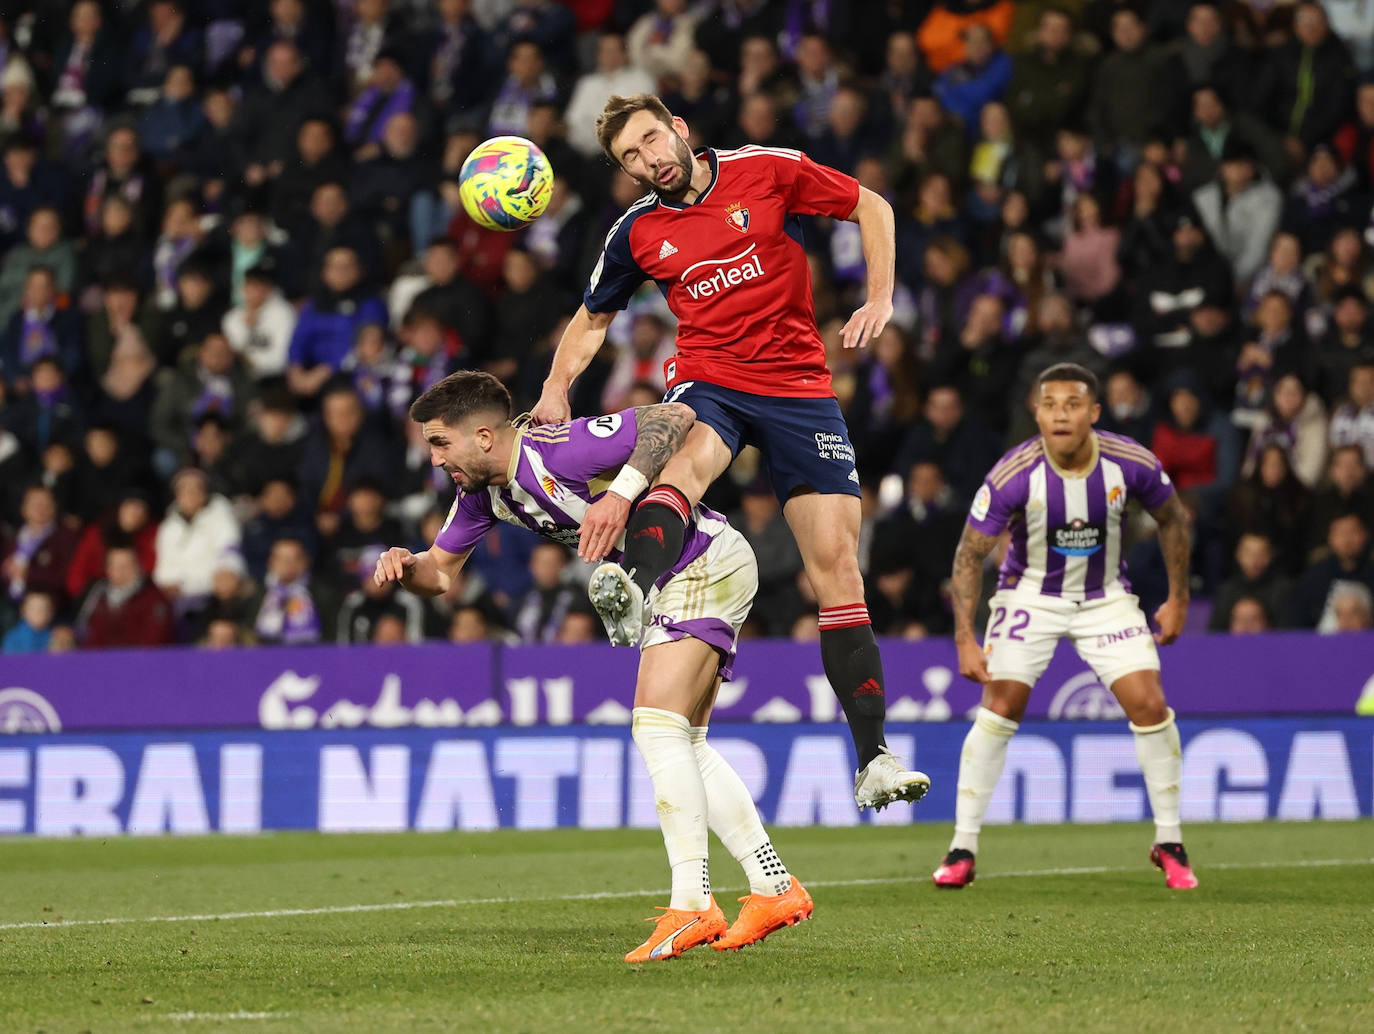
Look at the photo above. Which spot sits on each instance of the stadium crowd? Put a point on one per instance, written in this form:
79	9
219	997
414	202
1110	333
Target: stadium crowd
231	254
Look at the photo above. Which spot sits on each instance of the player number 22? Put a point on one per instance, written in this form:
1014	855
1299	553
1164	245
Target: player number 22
1019	620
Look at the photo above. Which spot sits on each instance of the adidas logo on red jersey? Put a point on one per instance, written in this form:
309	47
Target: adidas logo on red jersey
666	250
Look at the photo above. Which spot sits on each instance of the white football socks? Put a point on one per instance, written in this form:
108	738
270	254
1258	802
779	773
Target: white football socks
1160	754
665	742
732	816
980	766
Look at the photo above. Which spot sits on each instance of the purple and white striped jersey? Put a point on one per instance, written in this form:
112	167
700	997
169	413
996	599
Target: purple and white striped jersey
1066	529
556	472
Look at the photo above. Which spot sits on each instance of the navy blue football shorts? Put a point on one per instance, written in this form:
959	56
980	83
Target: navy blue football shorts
804	442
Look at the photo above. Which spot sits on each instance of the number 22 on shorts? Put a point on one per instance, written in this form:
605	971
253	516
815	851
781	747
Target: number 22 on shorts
1020	619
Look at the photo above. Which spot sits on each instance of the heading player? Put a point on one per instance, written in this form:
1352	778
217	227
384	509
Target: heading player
545	479
1063	495
719	233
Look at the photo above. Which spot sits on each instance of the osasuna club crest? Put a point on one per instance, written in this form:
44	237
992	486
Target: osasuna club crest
738	217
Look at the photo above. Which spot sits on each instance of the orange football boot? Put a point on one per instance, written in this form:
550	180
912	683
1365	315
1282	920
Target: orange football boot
762	914
676	930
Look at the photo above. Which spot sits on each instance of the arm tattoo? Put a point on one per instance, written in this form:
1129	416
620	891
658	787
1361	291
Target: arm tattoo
660	430
966	583
1175	542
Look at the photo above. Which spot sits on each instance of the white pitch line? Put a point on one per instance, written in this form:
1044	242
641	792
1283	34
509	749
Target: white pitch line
601	895
217	1017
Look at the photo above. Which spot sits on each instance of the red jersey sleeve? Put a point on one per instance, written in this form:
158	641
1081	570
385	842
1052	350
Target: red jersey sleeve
814	189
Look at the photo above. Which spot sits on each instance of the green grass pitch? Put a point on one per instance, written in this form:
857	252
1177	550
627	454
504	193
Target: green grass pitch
525	932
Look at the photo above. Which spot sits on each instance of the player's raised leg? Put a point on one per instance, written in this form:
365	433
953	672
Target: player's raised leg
1160	753
674	678
654	535
776	898
826	528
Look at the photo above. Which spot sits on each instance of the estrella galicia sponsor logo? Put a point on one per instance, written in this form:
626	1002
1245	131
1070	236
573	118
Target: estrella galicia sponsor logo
24	711
1085	697
1077	538
831	446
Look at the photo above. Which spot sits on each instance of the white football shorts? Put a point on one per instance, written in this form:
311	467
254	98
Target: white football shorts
1110	634
709	599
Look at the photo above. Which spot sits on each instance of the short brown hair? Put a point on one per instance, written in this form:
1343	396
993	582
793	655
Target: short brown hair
460	395
618	111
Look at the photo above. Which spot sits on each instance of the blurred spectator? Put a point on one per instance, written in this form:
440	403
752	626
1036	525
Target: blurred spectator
260	328
1192	441
1240	211
130	521
272	446
1350	608
1214	125
1088	258
126	608
86	73
1324	200
1205	55
252	245
33	631
1347	343
233	596
45	414
45	248
118	252
366	607
651	345
362	47
458	55
982	76
329	323
209	379
105	470
1352	423
197	314
1127	408
911	551
1282	273
1178	282
1049	83
538	614
613	75
123	171
1355	140
336	454
1344	262
980	363
943	32
313	160
197	525
1316	79
289	614
43	327
267	121
963	450
36	555
278	516
172	124
1295	420
1348	489
1255	579
661	40
763	526
527	80
886	400
168	39
580	624
364	529
1347	540
1273	501
930	142
1123	102
1249	617
1277	347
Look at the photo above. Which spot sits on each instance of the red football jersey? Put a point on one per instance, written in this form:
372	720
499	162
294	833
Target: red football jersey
732	268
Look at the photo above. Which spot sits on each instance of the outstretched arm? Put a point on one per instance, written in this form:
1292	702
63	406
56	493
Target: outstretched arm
581	340
430	573
1176	543
966	589
659	432
877	228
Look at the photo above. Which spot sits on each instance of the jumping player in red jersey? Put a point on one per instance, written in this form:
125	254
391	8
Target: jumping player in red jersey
718	232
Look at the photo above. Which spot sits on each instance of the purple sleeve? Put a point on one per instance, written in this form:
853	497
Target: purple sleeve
1149	483
595	446
993	508
468	520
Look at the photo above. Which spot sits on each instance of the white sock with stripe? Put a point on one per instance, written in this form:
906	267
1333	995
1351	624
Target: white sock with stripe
665	742
980	766
732	816
1160	753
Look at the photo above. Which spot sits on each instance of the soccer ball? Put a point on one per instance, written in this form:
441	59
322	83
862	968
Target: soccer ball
505	183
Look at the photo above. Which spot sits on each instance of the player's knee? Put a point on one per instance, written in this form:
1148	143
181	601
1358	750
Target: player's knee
1148	711
1005	699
